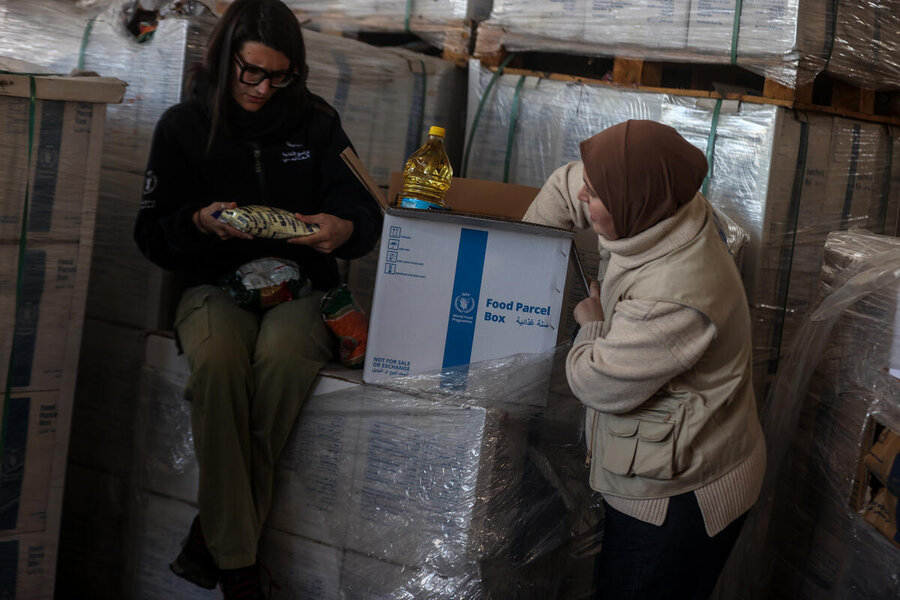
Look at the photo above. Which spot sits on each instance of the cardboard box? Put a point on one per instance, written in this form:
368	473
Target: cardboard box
164	457
61	173
466	285
30	422
27	566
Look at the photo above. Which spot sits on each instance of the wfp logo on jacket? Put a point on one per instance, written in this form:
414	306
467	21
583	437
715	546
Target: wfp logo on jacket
294	153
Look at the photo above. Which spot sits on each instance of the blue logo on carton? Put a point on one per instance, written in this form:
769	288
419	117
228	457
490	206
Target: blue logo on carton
464	304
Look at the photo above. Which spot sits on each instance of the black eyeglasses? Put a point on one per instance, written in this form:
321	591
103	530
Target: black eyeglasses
253	75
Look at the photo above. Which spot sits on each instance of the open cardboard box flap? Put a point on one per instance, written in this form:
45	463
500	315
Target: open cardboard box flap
466	196
479	197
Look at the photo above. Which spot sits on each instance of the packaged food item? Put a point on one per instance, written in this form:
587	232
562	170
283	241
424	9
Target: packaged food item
266	282
266	222
349	323
427	174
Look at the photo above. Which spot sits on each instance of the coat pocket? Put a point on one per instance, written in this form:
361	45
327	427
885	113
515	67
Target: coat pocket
192	319
642	444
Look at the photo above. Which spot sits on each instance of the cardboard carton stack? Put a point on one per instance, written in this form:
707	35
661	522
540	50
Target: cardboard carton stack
447	25
786	178
789	43
826	526
129	296
49	170
379	492
387	98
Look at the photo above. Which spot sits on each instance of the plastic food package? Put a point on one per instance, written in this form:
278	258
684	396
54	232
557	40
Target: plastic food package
348	322
266	282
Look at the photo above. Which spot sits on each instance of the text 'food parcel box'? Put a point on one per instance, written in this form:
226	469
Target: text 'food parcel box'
466	285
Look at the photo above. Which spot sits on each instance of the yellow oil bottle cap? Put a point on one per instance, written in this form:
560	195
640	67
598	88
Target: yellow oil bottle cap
435	130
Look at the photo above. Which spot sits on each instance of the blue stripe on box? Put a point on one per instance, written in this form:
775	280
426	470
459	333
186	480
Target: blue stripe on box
9	568
12	471
463	308
27	312
47	166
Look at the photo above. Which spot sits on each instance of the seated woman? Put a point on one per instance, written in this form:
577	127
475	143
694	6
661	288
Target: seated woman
251	134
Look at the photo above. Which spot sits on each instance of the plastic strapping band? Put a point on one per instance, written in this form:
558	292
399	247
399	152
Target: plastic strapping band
735	30
831	25
787	253
481	102
407	15
84	41
711	146
513	117
20	269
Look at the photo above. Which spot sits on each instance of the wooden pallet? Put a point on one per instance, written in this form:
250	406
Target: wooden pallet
825	94
452	38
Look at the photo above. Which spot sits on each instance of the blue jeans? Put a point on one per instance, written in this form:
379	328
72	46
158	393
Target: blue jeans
675	560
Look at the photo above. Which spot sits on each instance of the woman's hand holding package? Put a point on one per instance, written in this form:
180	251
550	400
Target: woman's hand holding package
333	232
590	308
207	222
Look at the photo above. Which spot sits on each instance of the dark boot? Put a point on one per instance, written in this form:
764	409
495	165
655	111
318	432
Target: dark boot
242	584
195	563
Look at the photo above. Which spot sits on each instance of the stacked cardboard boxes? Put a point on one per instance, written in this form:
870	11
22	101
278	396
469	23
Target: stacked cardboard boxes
50	162
787	42
786	178
826	526
447	25
378	492
387	98
128	296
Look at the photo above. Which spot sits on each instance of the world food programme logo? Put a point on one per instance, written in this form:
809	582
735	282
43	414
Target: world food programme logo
464	303
149	182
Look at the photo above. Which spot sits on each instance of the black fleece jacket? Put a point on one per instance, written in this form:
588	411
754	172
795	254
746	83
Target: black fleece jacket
298	168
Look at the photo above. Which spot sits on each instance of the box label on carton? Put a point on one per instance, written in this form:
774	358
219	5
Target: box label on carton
45	175
27	312
9	567
449	294
12	473
464	304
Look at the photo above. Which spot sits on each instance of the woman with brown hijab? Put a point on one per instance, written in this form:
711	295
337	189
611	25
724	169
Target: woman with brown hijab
662	363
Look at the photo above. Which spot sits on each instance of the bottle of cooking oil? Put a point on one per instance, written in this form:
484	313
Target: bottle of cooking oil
427	174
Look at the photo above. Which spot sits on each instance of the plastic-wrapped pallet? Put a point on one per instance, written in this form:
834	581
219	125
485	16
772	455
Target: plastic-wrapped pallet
387	98
49	167
788	42
444	24
125	287
393	492
826	523
786	178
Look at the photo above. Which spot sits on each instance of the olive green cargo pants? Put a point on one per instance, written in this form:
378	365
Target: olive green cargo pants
250	374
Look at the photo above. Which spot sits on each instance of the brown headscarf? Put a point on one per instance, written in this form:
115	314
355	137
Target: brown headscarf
642	171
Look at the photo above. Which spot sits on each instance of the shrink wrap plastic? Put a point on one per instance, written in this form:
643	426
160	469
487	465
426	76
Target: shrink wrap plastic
824	526
125	287
387	98
789	42
786	178
399	491
445	24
